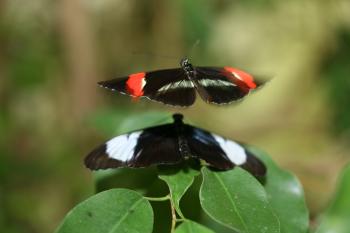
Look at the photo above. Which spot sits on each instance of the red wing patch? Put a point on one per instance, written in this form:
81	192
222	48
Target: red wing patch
135	84
243	76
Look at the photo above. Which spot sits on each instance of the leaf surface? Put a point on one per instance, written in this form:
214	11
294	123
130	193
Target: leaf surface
112	211
178	181
336	219
237	200
192	227
285	195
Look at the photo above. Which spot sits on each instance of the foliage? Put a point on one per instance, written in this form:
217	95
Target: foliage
232	198
335	72
336	219
235	199
48	46
286	196
114	211
192	227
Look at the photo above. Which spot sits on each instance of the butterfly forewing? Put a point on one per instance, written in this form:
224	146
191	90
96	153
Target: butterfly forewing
179	93
222	153
158	145
254	165
221	86
155	145
118	84
170	86
99	159
203	146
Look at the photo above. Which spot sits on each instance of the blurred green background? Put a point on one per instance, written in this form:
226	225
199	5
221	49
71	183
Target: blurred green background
52	113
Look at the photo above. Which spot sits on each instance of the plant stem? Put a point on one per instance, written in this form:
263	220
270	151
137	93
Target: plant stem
173	216
173	210
165	198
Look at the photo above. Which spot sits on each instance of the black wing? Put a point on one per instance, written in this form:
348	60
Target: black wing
223	85
170	86
221	153
155	145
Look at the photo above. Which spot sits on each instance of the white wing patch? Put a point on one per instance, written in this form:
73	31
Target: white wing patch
178	84
143	83
215	83
122	147
233	150
236	75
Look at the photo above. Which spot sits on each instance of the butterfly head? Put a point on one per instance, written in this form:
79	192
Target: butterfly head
184	62
177	117
186	65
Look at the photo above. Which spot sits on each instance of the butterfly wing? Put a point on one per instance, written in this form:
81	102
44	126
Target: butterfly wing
222	153
170	86
155	145
223	85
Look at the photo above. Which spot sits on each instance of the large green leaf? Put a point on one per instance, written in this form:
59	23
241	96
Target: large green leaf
285	195
192	227
336	219
112	211
237	200
178	181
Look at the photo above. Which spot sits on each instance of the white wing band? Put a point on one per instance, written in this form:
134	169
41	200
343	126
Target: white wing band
233	150
122	147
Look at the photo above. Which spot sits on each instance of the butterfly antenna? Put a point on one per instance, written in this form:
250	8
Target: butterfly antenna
194	46
150	54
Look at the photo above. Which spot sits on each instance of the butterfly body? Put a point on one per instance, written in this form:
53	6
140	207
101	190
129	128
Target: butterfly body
172	144
177	87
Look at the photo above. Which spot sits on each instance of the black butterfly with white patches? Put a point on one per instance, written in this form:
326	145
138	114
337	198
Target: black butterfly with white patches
177	87
172	144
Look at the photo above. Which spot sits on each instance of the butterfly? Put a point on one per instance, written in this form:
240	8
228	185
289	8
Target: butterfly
172	144
177	87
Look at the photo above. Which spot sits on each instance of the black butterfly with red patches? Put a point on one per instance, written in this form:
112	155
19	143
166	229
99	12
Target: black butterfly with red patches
172	144
217	85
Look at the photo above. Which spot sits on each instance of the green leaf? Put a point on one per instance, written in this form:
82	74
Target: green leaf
192	227
237	200
336	219
141	180
112	211
178	181
286	196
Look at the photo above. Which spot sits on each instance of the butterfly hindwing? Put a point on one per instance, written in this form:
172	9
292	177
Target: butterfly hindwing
170	86
222	153
155	145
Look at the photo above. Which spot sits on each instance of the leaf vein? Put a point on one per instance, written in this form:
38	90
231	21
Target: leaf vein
125	216
232	201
